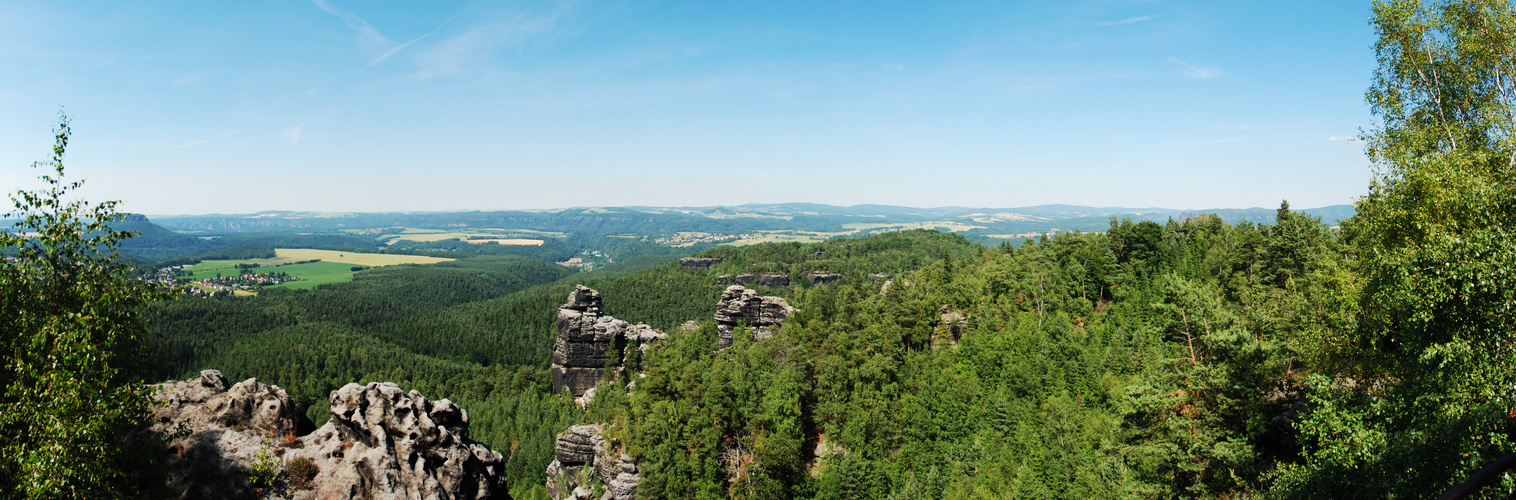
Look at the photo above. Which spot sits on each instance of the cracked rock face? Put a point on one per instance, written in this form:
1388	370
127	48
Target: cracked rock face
740	306
589	341
381	443
385	443
584	446
586	343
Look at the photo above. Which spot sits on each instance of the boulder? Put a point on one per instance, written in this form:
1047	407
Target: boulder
700	263
740	305
584	446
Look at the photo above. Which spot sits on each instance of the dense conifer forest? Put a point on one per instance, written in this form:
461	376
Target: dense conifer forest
1191	357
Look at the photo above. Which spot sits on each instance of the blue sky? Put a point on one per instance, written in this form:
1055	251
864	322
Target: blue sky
341	105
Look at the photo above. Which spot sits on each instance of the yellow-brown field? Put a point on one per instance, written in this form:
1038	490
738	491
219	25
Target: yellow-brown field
354	258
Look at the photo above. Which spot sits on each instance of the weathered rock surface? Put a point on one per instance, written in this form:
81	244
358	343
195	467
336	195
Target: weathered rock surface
820	278
740	306
381	443
700	263
218	431
770	280
585	446
589	341
385	443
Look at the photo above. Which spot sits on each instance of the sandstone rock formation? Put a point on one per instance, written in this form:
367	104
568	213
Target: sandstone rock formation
385	443
820	278
700	263
589	341
585	446
218	431
771	280
381	443
740	306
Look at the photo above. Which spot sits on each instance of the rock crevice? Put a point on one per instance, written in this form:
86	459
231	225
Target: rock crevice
584	446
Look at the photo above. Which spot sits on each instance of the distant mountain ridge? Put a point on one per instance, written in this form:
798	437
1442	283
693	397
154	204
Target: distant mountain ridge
1329	214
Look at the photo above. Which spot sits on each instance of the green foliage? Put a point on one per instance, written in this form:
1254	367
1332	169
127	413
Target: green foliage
1431	401
70	335
265	469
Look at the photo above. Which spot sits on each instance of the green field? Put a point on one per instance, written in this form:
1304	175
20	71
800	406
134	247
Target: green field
317	273
333	267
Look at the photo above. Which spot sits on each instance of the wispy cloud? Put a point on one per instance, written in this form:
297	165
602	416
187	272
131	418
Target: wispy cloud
1129	20
356	23
475	47
1197	72
292	134
1344	139
370	36
893	66
402	46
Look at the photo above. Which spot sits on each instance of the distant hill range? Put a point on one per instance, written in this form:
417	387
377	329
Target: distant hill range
751	217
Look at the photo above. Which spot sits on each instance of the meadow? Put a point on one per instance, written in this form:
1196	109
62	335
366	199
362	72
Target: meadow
331	267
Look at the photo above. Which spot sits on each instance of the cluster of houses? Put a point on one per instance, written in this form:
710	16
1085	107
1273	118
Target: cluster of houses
172	276
687	239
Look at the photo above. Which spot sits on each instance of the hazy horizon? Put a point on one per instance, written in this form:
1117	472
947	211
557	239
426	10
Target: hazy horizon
556	209
458	106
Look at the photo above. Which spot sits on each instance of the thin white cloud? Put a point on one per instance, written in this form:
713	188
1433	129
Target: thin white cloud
292	134
356	23
402	46
1129	20
1344	139
475	47
1197	72
893	66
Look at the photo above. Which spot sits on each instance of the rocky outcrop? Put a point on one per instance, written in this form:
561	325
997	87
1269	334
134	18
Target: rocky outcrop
700	263
589	341
217	431
950	326
820	278
770	280
381	443
740	306
385	443
584	446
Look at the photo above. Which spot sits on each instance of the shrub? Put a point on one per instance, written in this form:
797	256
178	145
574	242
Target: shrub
301	471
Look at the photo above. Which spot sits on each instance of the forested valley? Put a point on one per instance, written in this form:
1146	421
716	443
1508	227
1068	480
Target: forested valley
1193	356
